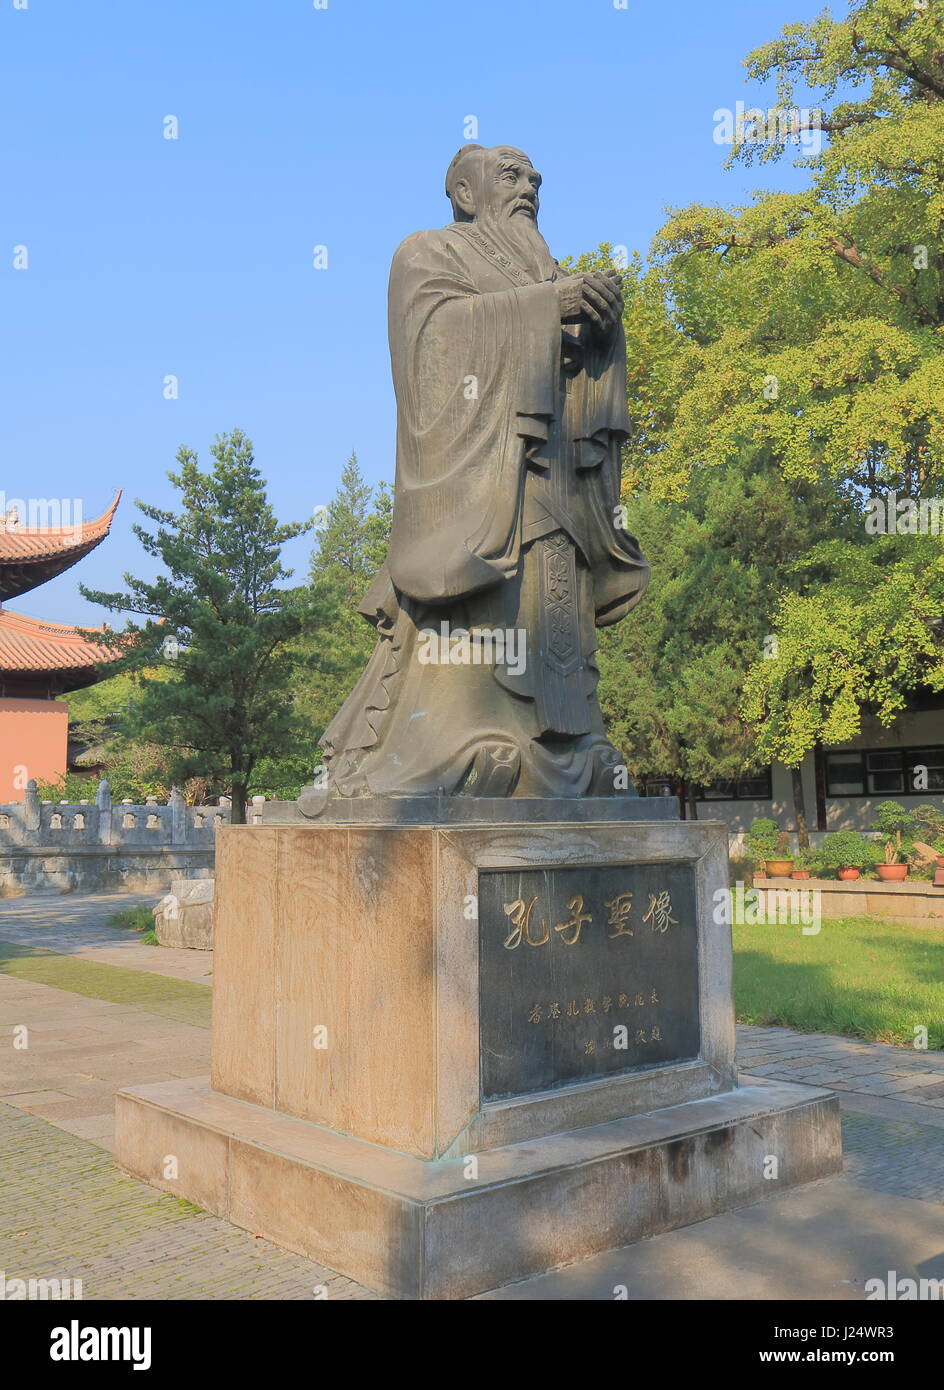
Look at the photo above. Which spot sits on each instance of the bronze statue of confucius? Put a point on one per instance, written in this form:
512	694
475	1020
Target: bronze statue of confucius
507	549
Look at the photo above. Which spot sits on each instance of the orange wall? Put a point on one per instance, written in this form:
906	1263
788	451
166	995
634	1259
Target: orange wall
33	743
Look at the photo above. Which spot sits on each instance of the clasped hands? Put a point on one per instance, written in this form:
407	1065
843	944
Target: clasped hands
596	297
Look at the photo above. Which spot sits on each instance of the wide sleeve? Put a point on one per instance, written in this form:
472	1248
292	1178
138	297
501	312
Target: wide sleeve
476	379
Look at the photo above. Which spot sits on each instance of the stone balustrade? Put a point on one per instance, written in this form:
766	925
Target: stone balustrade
104	844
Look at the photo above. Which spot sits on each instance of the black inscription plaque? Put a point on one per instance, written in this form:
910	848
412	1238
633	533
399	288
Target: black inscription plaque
585	972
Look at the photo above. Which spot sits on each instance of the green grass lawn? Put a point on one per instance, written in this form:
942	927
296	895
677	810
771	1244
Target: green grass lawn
185	1001
859	976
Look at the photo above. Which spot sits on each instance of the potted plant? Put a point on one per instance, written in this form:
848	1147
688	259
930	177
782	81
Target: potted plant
761	841
780	865
846	851
805	862
891	821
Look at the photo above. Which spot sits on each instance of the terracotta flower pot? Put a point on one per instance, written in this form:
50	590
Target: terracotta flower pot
779	868
847	875
892	873
800	873
940	861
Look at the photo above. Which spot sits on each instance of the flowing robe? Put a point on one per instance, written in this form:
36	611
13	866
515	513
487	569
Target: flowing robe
506	517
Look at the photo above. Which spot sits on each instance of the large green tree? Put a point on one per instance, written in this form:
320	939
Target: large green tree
722	540
863	400
673	672
801	337
215	656
817	325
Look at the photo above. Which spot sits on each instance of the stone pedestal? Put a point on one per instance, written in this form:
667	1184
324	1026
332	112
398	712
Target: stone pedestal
448	1057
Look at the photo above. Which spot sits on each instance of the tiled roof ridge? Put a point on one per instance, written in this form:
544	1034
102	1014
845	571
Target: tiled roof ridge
43	624
20	544
30	644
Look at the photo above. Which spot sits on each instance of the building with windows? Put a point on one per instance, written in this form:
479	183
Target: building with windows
842	784
40	661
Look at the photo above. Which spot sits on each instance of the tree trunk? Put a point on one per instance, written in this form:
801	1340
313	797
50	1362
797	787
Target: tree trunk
691	802
237	814
799	808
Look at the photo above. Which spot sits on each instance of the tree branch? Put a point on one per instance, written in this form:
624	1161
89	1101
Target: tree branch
853	256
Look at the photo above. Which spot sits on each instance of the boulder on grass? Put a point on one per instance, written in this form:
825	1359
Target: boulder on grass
184	916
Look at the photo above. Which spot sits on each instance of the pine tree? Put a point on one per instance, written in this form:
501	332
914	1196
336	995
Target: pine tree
351	548
214	658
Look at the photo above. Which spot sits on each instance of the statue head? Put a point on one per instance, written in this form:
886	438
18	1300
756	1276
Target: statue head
496	185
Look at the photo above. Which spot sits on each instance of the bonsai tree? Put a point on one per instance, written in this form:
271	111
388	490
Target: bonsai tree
931	823
846	849
808	861
762	840
891	821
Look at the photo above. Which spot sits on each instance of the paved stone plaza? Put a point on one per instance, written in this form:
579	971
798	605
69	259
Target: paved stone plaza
104	1011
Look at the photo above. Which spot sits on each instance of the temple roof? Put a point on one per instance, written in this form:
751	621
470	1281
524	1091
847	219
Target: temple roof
30	555
30	646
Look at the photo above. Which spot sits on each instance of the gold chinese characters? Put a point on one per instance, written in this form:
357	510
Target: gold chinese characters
658	915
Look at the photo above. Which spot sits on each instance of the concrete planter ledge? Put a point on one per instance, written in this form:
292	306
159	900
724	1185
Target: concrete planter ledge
917	903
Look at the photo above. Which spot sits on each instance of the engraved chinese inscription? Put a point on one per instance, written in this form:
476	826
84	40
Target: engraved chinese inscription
585	972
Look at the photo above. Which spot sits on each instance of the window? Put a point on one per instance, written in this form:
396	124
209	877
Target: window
925	769
885	772
651	785
718	791
756	787
844	774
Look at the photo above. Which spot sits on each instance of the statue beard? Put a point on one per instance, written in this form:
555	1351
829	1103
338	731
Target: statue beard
518	237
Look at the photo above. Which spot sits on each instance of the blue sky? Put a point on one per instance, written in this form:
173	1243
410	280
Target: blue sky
299	127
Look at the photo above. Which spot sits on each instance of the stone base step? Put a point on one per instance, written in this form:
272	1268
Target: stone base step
449	1229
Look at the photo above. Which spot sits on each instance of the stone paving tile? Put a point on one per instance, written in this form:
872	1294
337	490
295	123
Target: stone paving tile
842	1064
915	1090
877	1085
77	924
67	1212
132	1048
99	1128
184	1001
894	1156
